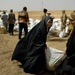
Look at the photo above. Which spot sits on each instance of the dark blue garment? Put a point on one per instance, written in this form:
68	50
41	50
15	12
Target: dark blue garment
21	27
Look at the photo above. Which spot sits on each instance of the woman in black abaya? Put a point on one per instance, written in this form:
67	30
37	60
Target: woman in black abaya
68	65
30	51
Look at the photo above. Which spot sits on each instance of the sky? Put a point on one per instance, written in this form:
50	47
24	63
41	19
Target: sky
32	5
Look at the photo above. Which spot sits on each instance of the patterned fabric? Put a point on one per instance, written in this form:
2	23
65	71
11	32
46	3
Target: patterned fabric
23	17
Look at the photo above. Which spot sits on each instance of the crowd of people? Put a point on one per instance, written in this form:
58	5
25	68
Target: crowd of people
23	22
10	19
30	50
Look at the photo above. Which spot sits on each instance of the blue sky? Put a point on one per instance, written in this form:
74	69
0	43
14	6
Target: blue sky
17	5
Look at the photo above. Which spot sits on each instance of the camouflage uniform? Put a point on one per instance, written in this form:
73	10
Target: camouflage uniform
63	20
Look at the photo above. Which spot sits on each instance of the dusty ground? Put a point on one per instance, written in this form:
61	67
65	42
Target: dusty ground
8	43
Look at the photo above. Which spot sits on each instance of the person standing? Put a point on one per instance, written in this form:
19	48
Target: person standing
44	13
63	20
23	19
11	21
4	18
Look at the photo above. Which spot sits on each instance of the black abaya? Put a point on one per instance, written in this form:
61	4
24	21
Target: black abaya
68	65
30	50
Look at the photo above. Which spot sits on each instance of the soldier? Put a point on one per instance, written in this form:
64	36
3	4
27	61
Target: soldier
63	20
4	18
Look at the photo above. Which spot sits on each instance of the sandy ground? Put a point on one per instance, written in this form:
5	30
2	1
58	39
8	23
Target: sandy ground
8	43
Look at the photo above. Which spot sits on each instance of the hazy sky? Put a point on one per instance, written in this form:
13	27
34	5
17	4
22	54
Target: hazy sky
37	4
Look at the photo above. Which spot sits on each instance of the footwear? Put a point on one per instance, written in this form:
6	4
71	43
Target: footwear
19	38
10	34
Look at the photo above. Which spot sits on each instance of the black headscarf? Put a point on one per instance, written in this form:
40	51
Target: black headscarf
30	50
68	65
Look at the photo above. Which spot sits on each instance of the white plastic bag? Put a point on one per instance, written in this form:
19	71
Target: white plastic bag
62	34
53	58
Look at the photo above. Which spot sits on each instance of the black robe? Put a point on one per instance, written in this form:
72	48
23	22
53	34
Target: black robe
30	50
68	65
